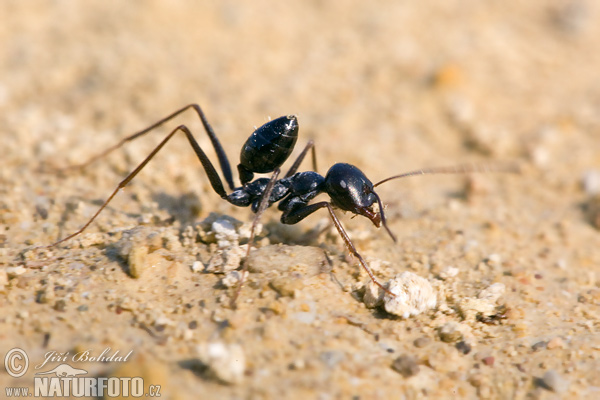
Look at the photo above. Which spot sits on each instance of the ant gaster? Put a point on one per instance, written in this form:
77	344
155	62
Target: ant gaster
265	151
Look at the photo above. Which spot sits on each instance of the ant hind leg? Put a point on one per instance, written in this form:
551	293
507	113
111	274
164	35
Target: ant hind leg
211	172
223	160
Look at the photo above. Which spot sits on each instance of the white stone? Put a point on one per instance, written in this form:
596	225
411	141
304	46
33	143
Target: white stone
413	295
225	362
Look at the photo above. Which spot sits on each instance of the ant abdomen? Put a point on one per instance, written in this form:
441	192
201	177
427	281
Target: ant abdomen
268	147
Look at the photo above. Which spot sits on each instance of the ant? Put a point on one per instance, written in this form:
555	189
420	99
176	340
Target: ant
265	151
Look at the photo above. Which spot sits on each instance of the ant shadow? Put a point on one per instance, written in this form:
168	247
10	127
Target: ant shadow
184	208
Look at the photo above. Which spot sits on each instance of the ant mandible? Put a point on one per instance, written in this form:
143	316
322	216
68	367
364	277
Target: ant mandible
265	151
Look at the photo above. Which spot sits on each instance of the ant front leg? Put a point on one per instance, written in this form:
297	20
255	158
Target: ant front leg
211	172
223	161
297	214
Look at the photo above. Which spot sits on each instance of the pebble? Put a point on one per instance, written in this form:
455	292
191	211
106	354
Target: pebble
463	347
232	278
225	362
539	346
227	259
591	182
60	305
46	295
450	333
225	232
23	314
554	382
406	366
469	308
413	295
373	296
422	342
15	271
555	343
197	266
492	293
136	260
494	260
449	272
136	244
489	361
287	286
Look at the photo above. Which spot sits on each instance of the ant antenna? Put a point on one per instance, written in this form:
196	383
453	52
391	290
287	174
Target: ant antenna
457	169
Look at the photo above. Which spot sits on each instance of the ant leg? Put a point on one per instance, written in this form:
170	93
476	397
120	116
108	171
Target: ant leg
309	146
292	217
263	205
211	172
223	161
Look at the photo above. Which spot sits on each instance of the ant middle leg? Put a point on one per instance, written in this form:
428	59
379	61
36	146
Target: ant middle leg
223	160
211	172
262	206
309	146
293	216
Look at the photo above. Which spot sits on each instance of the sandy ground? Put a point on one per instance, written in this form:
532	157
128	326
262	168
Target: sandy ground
514	260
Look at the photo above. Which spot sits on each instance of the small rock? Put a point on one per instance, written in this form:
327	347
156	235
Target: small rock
422	342
413	295
489	361
287	285
450	333
406	366
46	295
227	259
591	182
463	347
226	362
492	293
161	322
469	308
554	382
13	272
60	305
232	278
225	232
449	272
555	343
297	365
220	229
197	266
494	260
136	260
539	346
136	245
373	296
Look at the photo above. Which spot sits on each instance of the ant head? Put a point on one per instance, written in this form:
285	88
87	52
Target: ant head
350	190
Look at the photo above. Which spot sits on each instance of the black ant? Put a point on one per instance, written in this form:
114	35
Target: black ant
265	151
